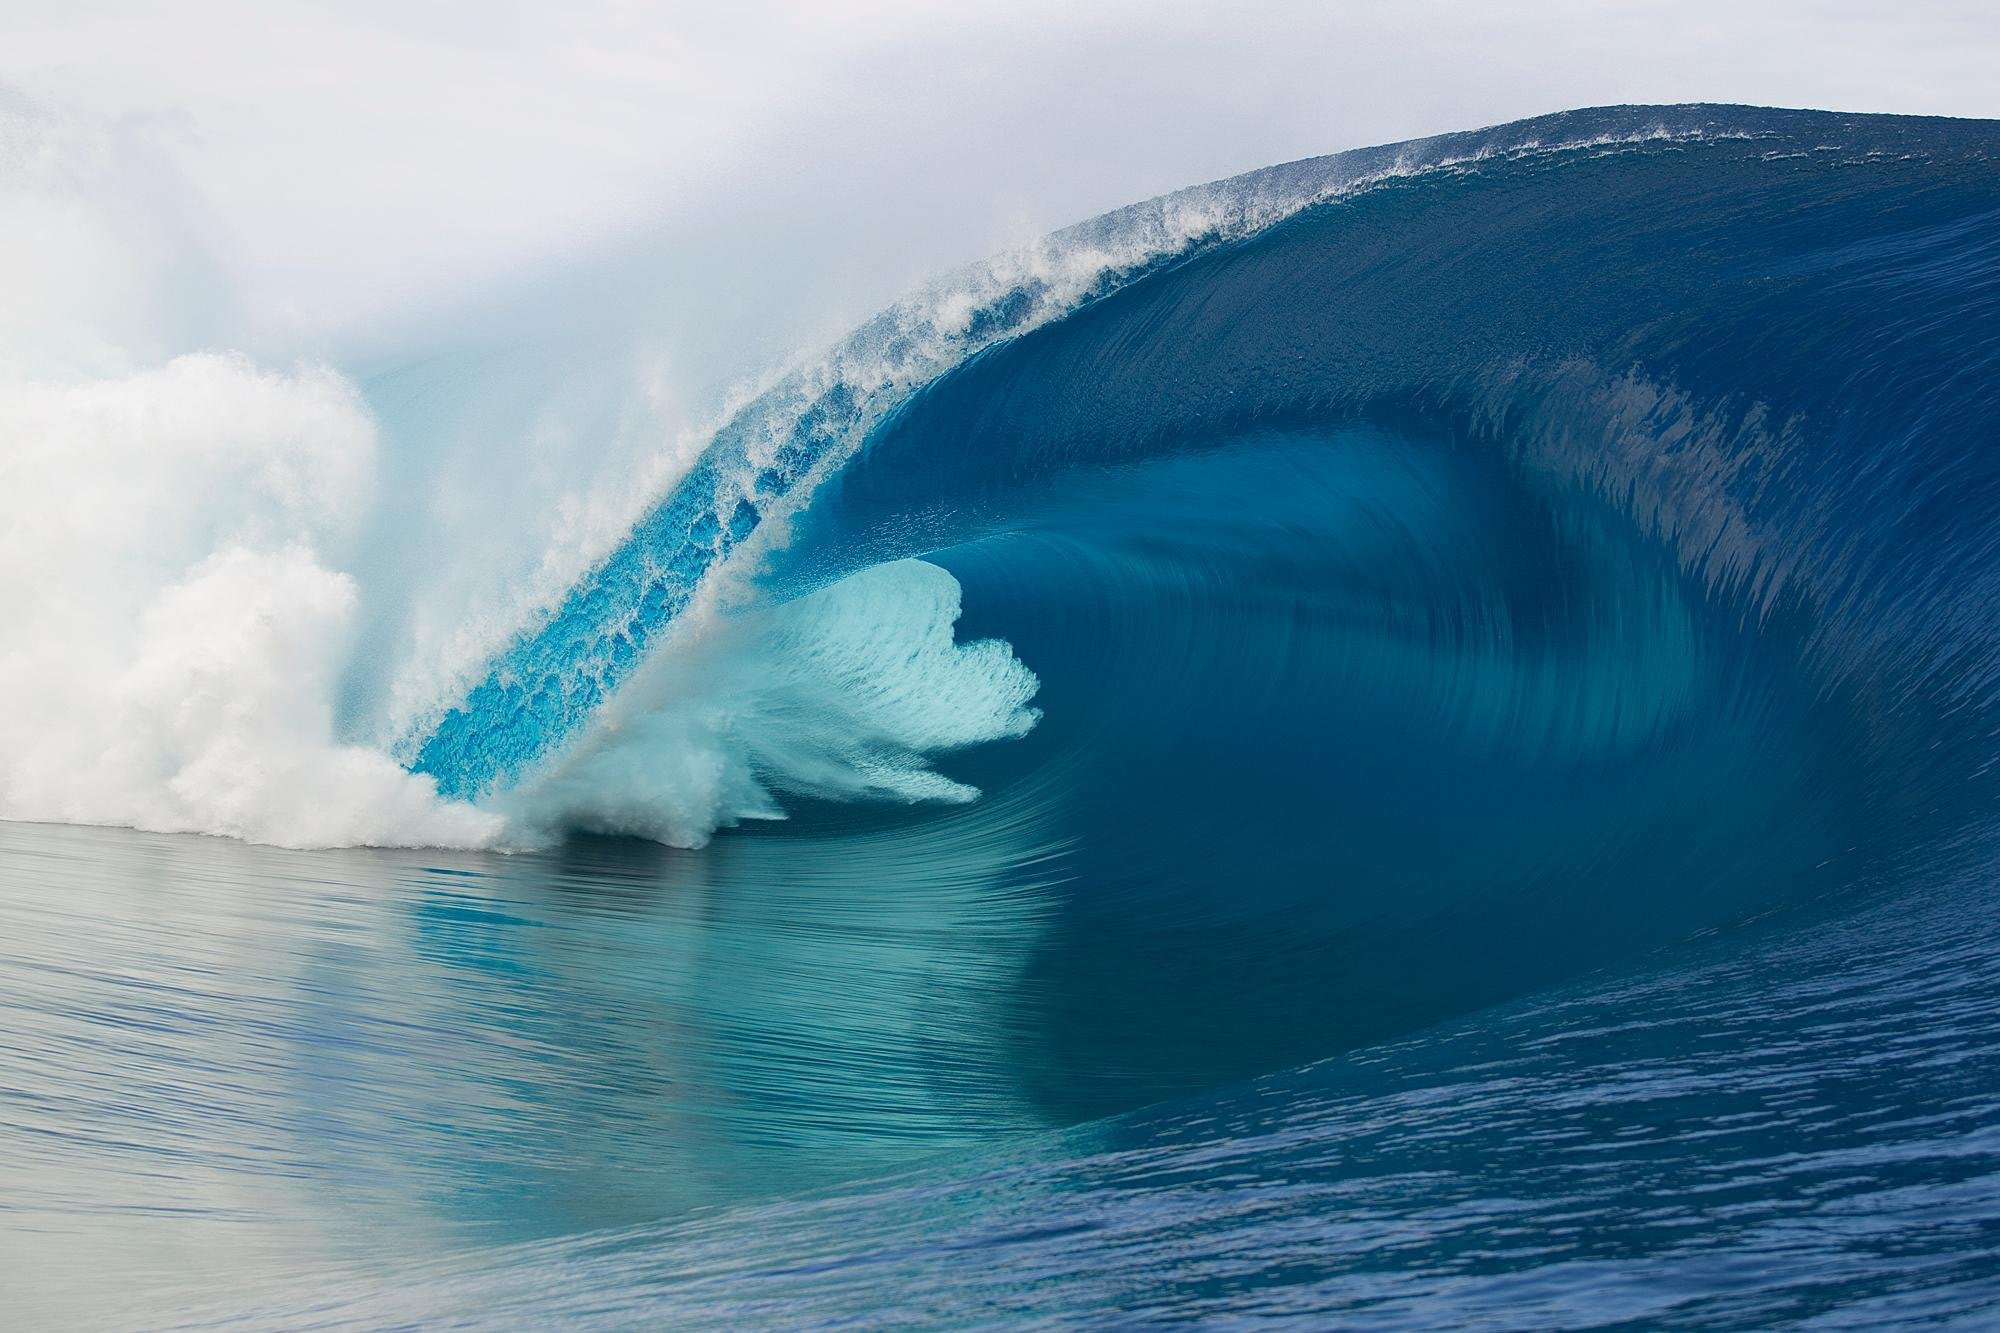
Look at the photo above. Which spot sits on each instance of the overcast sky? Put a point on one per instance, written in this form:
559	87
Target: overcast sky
353	157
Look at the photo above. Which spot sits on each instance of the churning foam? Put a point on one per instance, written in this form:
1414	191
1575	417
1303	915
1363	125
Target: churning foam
845	694
184	589
176	619
171	557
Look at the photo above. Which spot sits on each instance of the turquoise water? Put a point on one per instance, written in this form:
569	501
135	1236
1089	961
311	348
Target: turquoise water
1462	793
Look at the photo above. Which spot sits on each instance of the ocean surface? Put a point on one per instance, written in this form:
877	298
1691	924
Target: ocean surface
1408	739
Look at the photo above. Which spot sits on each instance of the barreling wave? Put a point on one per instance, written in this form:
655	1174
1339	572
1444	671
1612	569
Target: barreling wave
1300	613
773	453
1594	443
1527	548
1618	428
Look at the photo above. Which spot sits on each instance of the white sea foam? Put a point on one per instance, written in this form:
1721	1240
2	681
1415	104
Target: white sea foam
175	624
185	545
179	618
845	694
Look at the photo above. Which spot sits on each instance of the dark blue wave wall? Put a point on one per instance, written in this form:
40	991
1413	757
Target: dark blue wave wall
1582	540
1458	586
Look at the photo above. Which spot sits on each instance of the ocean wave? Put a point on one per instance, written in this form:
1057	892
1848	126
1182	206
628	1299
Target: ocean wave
1408	733
1617	330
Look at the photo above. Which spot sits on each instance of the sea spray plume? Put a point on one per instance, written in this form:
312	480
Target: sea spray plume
101	265
176	624
174	527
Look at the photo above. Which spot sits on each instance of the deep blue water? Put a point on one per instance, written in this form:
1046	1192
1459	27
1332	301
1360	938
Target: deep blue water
1509	840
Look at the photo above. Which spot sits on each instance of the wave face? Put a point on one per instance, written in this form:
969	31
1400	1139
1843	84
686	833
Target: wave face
1356	737
769	456
1527	549
1638	358
1520	563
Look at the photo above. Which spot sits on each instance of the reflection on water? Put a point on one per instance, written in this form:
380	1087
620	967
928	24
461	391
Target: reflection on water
296	1057
1753	1134
1771	1127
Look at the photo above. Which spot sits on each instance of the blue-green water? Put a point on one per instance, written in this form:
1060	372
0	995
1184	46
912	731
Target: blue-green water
1484	735
623	1085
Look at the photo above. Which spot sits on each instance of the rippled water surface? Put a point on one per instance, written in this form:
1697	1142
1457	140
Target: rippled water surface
412	1086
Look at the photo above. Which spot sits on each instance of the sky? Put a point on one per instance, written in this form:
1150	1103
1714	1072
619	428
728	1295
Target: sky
347	162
